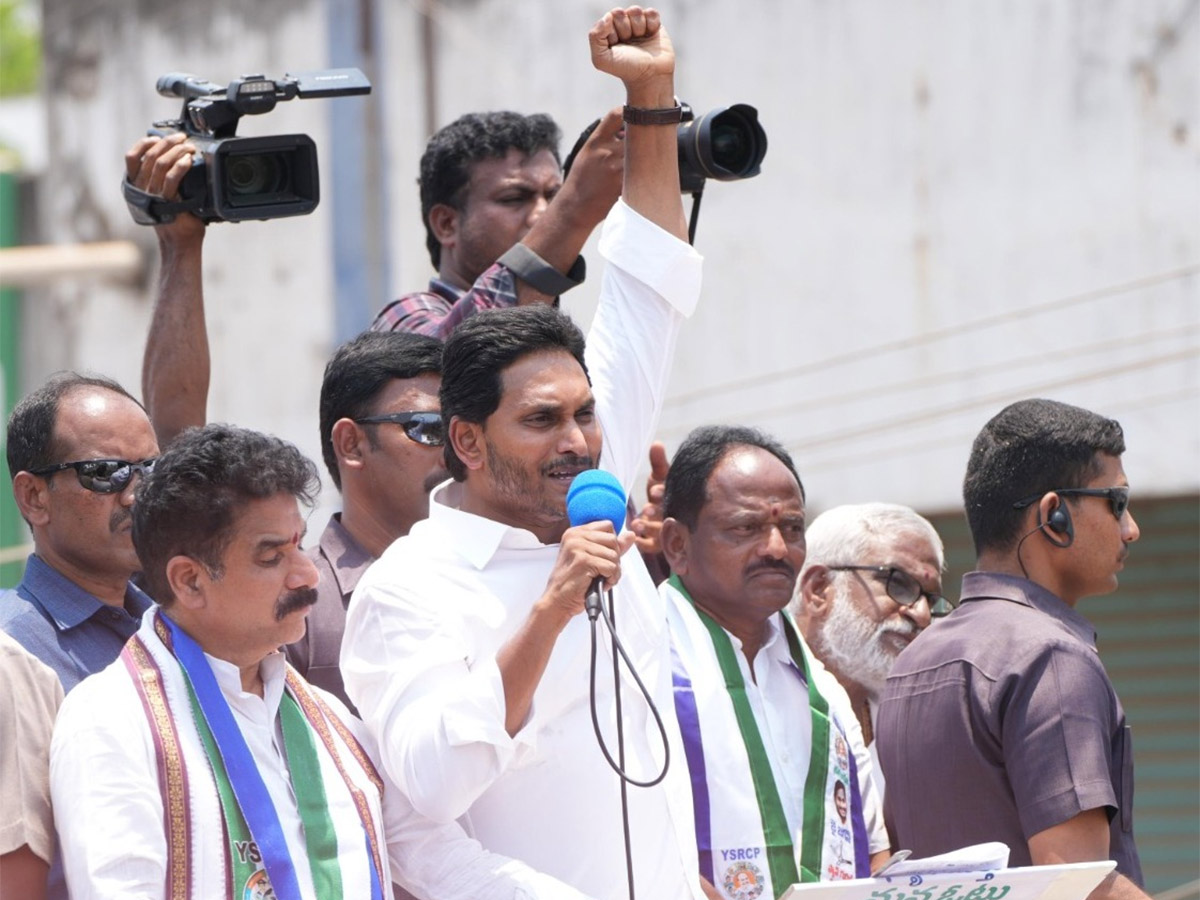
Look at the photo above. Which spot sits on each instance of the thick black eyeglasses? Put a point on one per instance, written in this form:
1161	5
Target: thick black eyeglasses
102	476
423	427
903	588
1118	497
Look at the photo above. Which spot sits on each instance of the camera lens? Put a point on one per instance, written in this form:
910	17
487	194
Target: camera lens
736	142
726	143
263	177
252	174
730	144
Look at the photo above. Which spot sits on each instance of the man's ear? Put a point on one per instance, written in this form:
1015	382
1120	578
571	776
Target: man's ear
187	579
816	591
32	495
443	222
468	442
676	545
348	442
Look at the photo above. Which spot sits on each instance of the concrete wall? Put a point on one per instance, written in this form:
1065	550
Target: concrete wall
268	285
962	205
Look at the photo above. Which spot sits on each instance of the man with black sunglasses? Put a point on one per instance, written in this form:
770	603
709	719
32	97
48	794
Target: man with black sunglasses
1008	695
77	447
871	582
381	439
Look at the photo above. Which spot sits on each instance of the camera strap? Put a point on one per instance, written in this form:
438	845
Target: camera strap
150	209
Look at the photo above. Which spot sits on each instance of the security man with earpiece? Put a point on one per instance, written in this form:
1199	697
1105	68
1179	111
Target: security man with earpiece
1008	692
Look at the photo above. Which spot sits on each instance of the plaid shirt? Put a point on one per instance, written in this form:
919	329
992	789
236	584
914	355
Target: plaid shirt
441	309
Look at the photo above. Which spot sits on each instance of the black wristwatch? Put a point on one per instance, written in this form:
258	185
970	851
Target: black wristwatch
539	274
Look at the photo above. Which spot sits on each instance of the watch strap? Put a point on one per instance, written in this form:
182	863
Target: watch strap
639	115
539	274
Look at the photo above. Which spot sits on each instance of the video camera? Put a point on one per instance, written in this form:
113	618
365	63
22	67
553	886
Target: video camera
234	178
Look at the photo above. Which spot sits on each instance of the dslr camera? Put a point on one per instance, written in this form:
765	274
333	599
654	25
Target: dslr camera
726	143
235	178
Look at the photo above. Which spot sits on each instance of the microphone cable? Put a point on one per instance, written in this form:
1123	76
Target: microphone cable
600	609
597	496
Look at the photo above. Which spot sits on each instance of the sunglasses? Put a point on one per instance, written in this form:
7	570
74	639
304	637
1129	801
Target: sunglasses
1118	497
422	427
903	588
102	476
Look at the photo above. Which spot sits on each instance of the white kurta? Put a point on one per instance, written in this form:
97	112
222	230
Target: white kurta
109	808
427	619
873	748
780	704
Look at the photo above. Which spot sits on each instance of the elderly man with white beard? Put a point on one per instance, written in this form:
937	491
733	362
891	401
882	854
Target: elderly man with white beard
871	582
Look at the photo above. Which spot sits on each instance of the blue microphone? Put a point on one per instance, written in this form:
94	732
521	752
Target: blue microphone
595	496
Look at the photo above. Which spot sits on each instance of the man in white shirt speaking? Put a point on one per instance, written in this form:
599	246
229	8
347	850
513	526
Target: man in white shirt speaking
465	650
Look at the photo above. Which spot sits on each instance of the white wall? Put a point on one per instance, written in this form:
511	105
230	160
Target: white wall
268	285
932	167
963	204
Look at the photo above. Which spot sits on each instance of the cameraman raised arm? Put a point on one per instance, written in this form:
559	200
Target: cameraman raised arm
501	226
175	366
498	195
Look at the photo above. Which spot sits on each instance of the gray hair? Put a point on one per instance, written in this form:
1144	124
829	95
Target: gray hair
847	534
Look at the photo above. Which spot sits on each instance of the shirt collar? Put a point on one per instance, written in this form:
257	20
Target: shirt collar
1013	588
66	602
477	538
774	645
229	679
348	559
445	289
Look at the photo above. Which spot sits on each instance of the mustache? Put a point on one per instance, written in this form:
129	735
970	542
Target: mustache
119	517
570	461
294	600
903	627
772	565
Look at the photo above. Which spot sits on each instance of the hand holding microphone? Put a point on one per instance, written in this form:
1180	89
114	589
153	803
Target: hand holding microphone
590	552
596	496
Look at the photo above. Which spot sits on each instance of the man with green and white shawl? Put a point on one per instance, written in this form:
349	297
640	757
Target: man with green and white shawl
781	781
200	764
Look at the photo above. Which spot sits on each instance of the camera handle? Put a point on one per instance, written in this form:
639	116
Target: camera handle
150	209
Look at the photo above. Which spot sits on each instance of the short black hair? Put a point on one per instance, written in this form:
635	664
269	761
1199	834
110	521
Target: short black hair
1030	448
358	372
187	506
486	344
450	153
30	442
686	489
